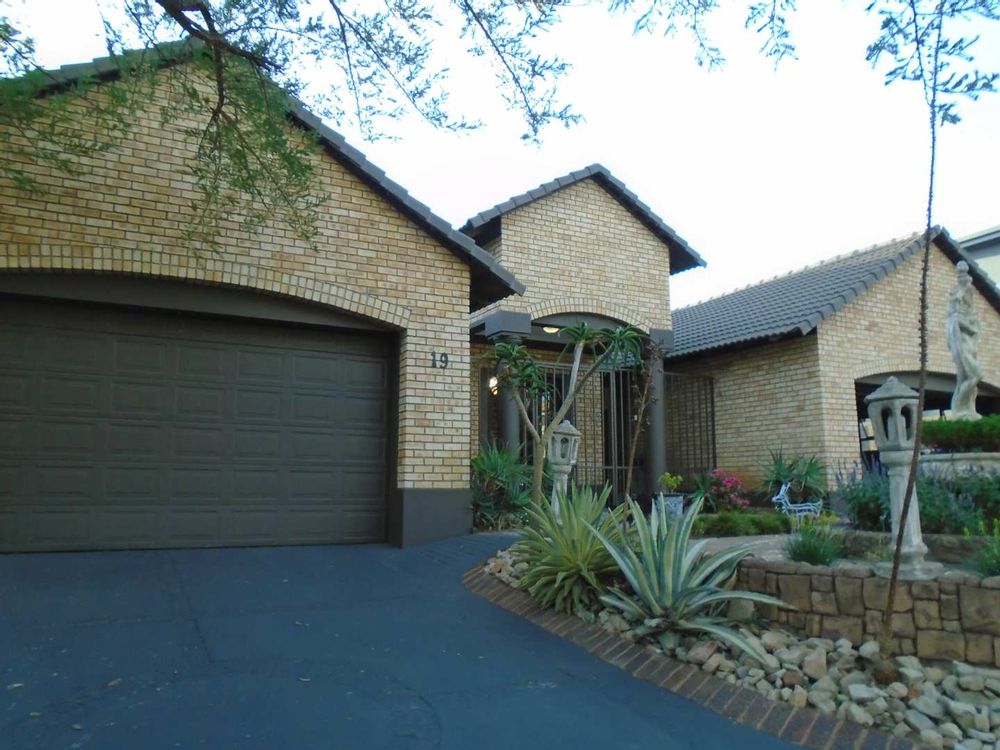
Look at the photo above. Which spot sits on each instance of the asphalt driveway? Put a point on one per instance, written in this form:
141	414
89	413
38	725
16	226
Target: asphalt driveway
307	647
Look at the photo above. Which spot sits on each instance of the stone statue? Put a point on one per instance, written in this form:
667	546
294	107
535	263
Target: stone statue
963	333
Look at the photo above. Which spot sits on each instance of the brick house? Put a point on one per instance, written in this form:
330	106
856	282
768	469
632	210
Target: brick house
791	359
587	250
263	393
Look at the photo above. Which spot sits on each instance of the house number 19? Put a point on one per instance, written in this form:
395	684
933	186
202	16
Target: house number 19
439	359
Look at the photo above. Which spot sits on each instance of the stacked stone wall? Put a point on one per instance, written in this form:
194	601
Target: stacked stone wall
954	617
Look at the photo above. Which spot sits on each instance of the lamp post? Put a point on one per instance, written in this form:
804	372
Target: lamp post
564	443
893	412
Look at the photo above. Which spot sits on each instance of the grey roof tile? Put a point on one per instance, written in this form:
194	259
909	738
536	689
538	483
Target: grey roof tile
682	256
490	280
795	304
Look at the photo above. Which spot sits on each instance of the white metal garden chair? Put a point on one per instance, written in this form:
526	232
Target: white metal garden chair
798	511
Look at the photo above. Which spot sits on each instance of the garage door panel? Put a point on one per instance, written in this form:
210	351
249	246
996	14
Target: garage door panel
55	483
132	485
194	526
141	357
123	428
190	483
260	485
139	399
71	440
259	405
59	528
72	351
136	440
124	527
61	394
200	403
201	443
14	437
255	444
201	362
364	373
260	366
15	392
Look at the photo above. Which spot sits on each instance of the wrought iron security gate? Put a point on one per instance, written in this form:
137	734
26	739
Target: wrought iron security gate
690	414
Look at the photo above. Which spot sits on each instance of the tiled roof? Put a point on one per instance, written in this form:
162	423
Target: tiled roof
682	256
490	280
795	304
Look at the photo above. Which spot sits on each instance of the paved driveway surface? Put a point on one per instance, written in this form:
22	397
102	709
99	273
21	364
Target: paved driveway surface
307	647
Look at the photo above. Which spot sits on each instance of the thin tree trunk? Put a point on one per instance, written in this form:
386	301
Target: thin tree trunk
931	92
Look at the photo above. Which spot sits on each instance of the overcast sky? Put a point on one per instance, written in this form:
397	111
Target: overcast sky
761	171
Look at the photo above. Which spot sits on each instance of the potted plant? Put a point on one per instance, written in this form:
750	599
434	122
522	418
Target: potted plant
672	499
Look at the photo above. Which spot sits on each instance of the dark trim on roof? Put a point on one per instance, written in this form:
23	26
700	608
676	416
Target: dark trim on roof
698	316
490	281
682	255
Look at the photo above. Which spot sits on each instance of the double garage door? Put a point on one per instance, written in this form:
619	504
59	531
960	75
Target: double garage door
126	428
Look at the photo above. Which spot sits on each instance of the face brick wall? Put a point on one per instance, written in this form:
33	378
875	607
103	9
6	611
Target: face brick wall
579	250
799	394
878	333
765	398
126	214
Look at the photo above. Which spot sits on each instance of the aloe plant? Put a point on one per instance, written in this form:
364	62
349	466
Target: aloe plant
677	587
567	564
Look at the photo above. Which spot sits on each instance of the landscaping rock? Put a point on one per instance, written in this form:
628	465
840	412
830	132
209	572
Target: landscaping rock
917	721
950	731
869	650
702	652
774	640
932	739
862	693
854	712
814	663
897	690
972	682
799	696
929	706
963	714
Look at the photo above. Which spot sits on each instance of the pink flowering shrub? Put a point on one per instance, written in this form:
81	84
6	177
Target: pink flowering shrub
723	491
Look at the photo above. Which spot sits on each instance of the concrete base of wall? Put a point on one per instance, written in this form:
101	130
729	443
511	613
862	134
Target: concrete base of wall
418	516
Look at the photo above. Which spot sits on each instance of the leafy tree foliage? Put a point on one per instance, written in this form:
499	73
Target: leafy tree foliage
371	62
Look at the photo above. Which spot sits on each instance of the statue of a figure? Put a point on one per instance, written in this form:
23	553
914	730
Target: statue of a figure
963	332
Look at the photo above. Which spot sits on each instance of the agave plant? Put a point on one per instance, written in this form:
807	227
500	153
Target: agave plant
567	564
677	587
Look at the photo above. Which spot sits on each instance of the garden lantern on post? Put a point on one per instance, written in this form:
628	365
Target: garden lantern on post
893	412
563	448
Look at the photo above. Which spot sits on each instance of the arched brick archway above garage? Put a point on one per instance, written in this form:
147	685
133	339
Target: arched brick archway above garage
212	271
565	305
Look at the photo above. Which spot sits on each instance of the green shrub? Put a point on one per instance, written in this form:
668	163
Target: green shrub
501	489
981	488
866	496
943	510
986	558
963	435
568	566
806	477
721	490
741	524
676	587
816	544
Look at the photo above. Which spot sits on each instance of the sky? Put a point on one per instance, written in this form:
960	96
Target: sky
761	171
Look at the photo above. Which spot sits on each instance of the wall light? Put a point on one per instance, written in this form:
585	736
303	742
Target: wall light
494	385
550	329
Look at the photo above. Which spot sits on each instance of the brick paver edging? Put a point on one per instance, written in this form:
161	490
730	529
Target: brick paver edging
804	726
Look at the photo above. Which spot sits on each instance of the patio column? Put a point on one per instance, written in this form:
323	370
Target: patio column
656	429
510	418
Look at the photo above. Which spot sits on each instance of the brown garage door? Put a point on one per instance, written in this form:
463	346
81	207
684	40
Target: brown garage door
125	428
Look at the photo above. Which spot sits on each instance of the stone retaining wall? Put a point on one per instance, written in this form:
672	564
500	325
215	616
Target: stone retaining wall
946	548
954	617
